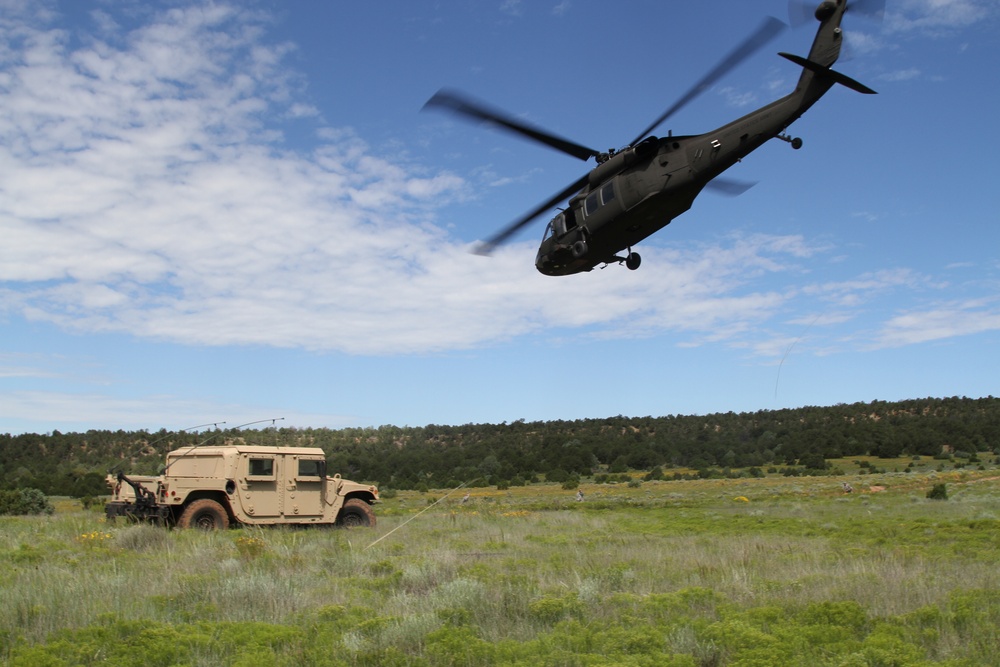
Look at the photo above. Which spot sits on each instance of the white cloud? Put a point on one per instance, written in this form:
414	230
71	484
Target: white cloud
142	194
901	75
851	293
142	191
937	15
959	318
81	411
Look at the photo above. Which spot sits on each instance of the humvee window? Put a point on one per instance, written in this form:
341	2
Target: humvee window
261	468
309	468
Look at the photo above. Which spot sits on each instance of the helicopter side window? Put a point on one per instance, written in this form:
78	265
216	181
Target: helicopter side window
598	197
608	193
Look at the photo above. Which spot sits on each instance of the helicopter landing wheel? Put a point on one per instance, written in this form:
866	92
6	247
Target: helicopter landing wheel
579	249
632	261
796	143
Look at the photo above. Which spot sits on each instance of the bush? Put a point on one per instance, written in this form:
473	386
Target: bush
938	492
90	502
24	501
557	475
572	482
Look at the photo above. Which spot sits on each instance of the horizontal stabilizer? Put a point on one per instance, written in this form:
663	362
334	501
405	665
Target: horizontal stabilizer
819	70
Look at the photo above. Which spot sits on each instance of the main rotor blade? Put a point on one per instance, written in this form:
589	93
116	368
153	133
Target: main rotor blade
461	104
487	247
764	34
728	186
801	12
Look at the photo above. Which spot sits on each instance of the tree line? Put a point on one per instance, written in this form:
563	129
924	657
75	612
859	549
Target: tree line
439	456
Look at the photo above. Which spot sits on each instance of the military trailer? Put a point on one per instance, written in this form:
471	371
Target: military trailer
214	487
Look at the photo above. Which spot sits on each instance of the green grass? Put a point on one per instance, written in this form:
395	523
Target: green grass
745	572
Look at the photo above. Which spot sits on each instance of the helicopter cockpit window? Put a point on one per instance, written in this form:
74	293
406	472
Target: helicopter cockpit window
559	224
592	203
549	231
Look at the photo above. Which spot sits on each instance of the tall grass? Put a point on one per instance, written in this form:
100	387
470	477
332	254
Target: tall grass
707	572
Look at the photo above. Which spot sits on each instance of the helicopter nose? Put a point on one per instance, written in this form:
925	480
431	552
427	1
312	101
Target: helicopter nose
544	265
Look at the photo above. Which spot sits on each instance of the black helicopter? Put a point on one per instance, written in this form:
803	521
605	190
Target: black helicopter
638	190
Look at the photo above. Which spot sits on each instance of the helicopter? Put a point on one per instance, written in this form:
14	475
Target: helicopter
635	191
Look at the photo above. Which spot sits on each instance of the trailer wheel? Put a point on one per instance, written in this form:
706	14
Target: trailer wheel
356	513
205	514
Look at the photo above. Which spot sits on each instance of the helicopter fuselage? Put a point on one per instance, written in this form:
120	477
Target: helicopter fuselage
641	189
645	187
638	190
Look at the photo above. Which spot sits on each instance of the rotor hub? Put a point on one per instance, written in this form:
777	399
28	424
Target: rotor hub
825	10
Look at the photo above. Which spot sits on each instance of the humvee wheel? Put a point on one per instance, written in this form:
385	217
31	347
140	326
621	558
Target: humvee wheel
355	514
205	514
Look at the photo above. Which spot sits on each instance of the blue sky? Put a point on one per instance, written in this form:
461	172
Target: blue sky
229	212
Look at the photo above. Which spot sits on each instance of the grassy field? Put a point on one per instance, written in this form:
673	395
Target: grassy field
744	572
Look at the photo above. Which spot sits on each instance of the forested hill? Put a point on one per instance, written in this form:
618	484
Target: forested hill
445	456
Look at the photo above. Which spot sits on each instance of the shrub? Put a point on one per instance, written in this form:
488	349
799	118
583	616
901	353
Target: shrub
557	475
938	492
92	503
24	501
619	465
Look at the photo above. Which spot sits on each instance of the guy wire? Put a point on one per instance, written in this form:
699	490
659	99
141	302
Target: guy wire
421	512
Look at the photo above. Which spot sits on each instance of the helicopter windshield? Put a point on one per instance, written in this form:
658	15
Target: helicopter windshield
550	231
554	227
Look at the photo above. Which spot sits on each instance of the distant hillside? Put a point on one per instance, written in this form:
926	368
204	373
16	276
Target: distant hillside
445	456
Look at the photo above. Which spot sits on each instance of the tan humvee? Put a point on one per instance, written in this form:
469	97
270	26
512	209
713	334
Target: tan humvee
212	487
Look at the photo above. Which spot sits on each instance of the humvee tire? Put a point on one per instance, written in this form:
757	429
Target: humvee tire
205	514
356	513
